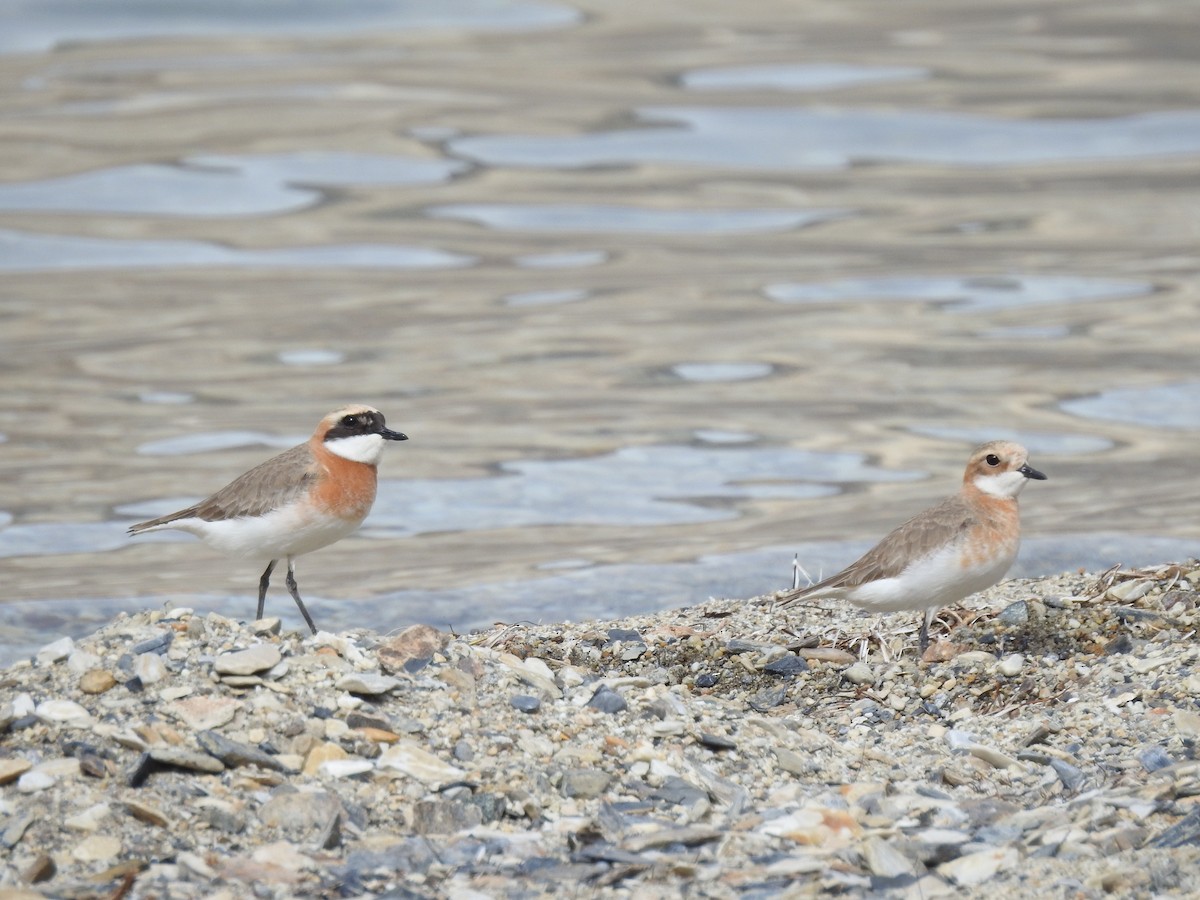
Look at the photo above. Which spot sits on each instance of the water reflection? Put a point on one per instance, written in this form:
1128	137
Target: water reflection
1038	443
659	486
570	259
1164	406
837	138
811	77
27	252
33	25
968	294
545	298
221	185
207	441
630	219
710	372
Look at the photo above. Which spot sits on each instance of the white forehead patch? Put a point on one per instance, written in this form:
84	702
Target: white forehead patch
1004	485
360	448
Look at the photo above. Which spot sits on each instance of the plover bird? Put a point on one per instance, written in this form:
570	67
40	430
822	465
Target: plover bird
299	501
940	556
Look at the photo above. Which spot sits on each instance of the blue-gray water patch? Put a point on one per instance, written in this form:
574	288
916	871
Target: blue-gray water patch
545	298
208	441
728	371
659	485
1165	406
569	259
961	294
28	252
37	25
630	219
799	77
787	139
221	185
1036	442
311	357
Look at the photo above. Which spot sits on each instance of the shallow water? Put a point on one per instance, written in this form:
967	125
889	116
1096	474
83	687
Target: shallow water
662	294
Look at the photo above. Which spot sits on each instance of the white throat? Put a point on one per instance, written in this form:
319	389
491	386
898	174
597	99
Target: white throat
360	448
1005	485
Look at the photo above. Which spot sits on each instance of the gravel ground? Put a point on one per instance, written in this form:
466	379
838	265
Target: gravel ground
1044	746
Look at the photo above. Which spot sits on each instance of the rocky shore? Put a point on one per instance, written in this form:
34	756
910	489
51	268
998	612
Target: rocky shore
1045	746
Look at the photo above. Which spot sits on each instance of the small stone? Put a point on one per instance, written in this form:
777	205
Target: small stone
1154	758
143	812
34	781
972	659
67	713
55	651
444	816
14	830
149	668
269	625
414	761
976	868
299	814
12	769
415	643
234	753
525	703
367	684
793	762
1014	614
258	658
789	664
607	700
831	655
81	661
345	768
90	819
1187	723
716	741
993	757
624	635
96	681
1011	665
282	854
885	861
41	869
182	758
97	848
584	783
157	644
204	712
859	673
321	754
1070	776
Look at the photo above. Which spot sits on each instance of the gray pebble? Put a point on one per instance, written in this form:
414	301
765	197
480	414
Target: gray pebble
258	658
607	700
525	703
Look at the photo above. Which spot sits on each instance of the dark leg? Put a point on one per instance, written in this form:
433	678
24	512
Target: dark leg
262	587
295	589
926	621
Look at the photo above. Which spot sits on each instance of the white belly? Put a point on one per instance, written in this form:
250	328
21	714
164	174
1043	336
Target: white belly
283	532
938	580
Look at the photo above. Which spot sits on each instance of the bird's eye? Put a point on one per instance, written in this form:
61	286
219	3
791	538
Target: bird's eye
350	421
992	459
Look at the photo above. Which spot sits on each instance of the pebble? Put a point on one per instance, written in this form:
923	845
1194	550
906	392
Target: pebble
149	669
1011	665
55	651
859	673
411	645
976	868
96	681
525	703
34	781
183	758
11	769
97	848
204	712
607	700
63	712
367	684
257	658
416	762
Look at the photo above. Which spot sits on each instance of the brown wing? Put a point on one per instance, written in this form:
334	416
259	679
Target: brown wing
916	538
267	486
